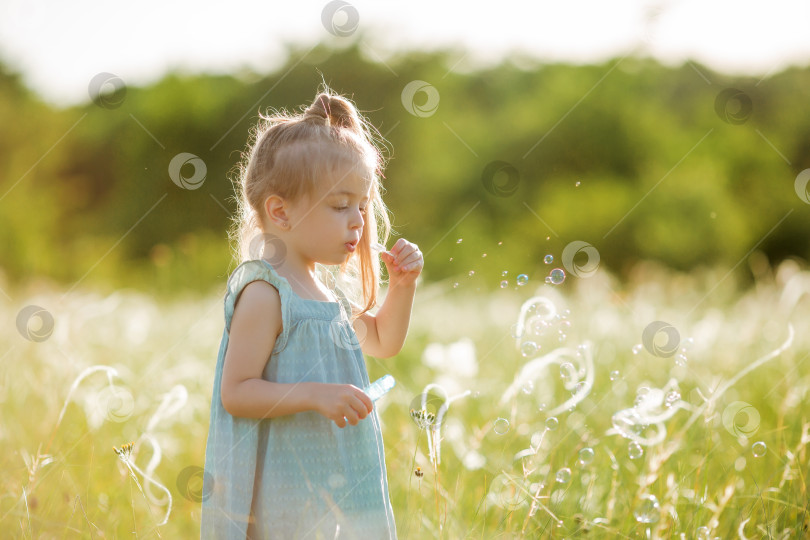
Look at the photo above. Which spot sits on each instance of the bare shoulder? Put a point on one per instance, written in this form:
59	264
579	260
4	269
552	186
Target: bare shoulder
258	301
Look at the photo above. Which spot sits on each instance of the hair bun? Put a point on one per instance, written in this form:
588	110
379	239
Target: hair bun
330	110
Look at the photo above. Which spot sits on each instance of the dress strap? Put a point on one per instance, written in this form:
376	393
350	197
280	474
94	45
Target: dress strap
255	270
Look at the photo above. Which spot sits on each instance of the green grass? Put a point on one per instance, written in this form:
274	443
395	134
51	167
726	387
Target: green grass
62	479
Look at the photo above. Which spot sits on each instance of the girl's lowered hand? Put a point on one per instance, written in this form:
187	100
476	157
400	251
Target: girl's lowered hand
404	262
342	403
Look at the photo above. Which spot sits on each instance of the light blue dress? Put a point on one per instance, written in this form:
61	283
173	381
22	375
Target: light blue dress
296	476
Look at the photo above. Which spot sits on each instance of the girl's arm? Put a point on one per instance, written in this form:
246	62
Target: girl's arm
382	335
255	325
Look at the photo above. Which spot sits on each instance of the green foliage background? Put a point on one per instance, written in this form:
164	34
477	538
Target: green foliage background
86	195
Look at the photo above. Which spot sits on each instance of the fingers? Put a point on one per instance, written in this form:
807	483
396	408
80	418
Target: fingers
367	402
356	407
405	256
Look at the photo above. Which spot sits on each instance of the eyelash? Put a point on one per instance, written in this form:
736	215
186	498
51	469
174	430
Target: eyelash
342	208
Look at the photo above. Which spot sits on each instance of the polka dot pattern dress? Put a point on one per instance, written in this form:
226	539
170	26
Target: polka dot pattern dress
296	476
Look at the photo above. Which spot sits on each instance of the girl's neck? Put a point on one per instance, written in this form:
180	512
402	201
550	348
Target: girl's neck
303	280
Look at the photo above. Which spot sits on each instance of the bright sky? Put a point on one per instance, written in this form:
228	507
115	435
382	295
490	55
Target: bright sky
59	46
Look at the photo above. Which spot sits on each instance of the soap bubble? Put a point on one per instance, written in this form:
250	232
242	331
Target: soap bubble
455	285
585	456
637	348
504	284
548	279
522	279
634	450
680	359
759	448
472	273
648	510
703	533
614	375
672	397
563	476
567	370
537	325
459	240
557	276
528	348
501	426
503	274
578	184
528	386
548	259
552	423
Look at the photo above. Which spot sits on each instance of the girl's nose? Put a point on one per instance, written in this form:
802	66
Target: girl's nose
357	220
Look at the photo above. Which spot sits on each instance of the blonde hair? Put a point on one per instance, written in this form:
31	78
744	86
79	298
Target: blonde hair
288	154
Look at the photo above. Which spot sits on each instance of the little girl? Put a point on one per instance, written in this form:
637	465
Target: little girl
294	446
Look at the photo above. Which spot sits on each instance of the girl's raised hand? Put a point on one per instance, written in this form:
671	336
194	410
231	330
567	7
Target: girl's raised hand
341	403
404	263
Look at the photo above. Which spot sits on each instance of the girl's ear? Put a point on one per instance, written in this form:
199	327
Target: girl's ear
276	210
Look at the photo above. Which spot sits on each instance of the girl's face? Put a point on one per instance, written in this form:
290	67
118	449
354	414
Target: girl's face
327	225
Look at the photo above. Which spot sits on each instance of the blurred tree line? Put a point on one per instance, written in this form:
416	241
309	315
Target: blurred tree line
641	160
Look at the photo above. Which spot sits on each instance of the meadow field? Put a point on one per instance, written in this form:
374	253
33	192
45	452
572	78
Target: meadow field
671	406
